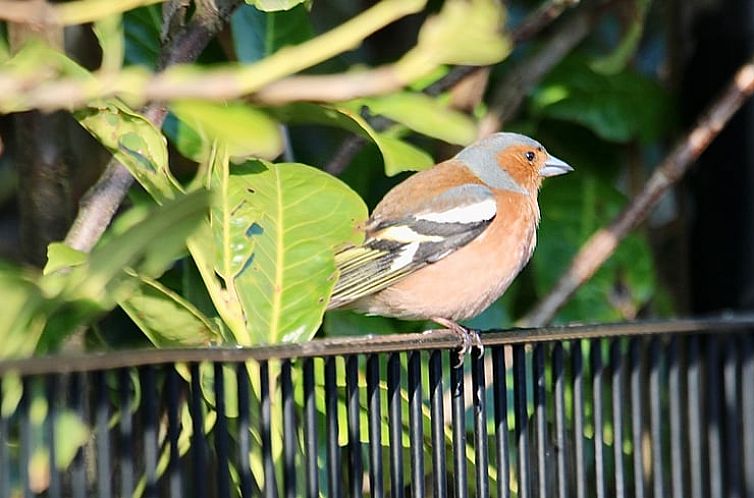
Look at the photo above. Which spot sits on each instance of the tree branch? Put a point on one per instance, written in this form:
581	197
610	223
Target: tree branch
99	204
603	243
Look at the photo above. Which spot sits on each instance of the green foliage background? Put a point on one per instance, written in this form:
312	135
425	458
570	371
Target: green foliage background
229	235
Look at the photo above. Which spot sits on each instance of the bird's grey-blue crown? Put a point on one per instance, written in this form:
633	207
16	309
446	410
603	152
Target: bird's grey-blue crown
481	159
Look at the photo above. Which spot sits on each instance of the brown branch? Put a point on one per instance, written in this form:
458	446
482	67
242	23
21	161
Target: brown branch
99	204
603	243
540	19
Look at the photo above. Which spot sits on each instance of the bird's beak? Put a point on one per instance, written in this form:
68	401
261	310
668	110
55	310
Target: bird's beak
554	167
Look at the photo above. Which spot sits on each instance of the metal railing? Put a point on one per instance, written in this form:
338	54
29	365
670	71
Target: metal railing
651	409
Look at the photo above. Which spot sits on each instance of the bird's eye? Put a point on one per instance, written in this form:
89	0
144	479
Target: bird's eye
530	156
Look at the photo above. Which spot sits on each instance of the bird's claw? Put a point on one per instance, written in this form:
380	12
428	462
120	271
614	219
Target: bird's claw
470	340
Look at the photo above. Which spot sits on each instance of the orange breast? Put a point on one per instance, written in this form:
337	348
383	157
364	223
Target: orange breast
466	282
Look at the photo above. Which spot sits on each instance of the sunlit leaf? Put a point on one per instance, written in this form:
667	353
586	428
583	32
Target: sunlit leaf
465	33
71	433
135	142
244	130
303	214
425	115
61	256
398	155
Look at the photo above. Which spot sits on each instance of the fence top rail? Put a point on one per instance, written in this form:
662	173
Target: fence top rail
365	344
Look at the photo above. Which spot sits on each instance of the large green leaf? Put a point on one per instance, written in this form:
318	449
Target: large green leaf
398	155
245	131
257	34
294	216
135	142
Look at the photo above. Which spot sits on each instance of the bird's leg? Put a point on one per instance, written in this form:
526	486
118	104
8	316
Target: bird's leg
469	337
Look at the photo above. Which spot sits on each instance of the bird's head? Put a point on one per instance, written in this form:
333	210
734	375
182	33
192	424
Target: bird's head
510	161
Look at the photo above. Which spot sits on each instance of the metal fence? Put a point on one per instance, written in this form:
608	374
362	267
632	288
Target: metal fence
662	409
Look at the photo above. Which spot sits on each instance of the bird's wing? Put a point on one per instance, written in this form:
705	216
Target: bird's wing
395	248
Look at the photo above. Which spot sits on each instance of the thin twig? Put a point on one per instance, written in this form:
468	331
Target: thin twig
603	243
540	19
99	204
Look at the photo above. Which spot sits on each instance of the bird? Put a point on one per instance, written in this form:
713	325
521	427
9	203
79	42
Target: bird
445	243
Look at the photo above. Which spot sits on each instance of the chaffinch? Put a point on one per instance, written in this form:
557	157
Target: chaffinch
447	242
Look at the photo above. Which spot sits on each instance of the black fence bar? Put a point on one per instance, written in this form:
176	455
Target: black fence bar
655	413
500	395
458	417
375	432
415	423
437	419
395	424
289	430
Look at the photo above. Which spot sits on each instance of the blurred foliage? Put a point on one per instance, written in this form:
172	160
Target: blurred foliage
252	262
228	238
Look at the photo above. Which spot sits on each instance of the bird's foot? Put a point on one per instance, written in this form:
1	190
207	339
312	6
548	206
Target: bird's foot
469	337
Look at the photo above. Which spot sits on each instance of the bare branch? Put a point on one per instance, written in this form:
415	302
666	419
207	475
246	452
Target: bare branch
603	243
541	18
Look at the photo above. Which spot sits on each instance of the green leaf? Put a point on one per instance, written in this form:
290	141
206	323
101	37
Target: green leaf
304	214
166	318
465	33
425	115
61	256
257	34
273	5
400	156
142	35
135	142
244	130
397	155
618	108
71	433
23	317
